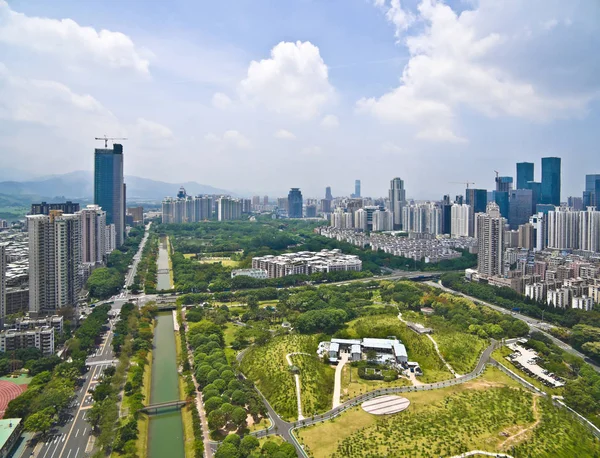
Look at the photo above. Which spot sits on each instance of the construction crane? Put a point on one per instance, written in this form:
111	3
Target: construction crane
463	182
106	139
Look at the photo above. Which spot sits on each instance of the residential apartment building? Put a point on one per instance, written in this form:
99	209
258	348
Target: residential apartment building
93	235
490	239
459	220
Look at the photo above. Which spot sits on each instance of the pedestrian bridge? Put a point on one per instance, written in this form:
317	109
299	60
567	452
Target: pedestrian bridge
154	409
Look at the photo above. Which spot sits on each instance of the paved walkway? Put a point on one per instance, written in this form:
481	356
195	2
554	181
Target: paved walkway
481	452
337	387
297	380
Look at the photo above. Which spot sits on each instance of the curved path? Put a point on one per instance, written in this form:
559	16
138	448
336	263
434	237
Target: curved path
481	452
297	380
437	350
337	386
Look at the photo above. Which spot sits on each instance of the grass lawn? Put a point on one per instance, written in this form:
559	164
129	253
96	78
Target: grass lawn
264	423
316	384
227	262
277	439
228	333
22	379
419	347
495	415
268	368
500	354
359	385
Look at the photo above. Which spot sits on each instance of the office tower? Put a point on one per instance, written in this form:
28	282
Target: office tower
228	208
295	203
527	236
93	234
311	211
44	208
589	227
538	221
325	205
504	184
397	196
520	207
356	188
550	181
563	229
460	220
536	193
383	220
501	198
328	194
446	208
54	261
108	187
576	203
459	200
476	199
2	284
524	174
137	213
591	195
490	240
360	219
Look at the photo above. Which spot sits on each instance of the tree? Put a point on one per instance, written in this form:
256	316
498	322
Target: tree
40	421
216	420
371	355
238	417
227	450
248	445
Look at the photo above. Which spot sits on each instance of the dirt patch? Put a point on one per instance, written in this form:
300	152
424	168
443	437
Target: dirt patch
521	432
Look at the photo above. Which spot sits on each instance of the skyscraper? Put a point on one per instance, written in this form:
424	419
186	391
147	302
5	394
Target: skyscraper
397	196
536	194
550	181
591	195
295	203
228	208
520	207
460	220
504	184
524	174
54	261
563	229
490	239
446	215
357	188
108	187
93	234
477	202
328	194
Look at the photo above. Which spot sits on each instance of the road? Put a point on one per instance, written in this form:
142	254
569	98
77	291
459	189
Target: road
533	323
72	438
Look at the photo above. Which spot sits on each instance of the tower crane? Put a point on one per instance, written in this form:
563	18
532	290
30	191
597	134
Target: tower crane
106	139
463	182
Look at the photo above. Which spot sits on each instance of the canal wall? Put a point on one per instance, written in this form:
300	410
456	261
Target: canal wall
164	274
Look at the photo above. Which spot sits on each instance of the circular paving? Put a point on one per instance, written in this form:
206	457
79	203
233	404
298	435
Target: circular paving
385	405
9	391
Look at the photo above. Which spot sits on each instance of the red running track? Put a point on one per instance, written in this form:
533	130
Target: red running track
9	391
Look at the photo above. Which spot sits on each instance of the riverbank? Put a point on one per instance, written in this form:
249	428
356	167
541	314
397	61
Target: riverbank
186	413
143	419
164	275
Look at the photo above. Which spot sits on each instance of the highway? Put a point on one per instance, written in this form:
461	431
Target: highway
533	323
71	437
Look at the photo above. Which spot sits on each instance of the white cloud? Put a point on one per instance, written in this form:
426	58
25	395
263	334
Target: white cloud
229	138
330	122
221	101
293	81
550	24
390	147
311	151
153	135
452	66
283	134
67	40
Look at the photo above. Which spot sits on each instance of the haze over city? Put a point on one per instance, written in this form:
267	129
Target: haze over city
255	99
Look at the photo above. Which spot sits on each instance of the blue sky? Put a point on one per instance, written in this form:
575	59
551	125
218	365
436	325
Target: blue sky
266	95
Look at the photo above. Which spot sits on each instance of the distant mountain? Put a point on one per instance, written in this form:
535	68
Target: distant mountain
80	186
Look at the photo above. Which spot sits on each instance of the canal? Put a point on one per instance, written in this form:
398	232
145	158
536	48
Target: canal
163	275
165	434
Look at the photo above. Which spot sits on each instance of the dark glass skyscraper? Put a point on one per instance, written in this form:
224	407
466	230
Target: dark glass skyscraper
536	193
520	207
328	194
551	181
295	203
524	174
591	195
476	199
356	188
108	187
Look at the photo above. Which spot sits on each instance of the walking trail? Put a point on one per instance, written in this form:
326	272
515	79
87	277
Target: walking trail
297	380
515	437
435	345
337	387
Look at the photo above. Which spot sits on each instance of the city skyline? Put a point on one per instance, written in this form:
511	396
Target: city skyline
210	82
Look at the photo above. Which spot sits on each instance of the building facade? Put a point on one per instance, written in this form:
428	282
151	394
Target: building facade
525	174
295	203
109	189
93	235
460	220
490	239
397	197
551	180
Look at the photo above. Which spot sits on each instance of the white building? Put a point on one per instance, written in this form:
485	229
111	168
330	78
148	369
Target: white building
54	261
490	239
228	208
459	220
422	218
383	221
41	338
306	263
187	209
536	291
259	274
93	234
560	298
563	229
589	230
110	243
360	219
583	303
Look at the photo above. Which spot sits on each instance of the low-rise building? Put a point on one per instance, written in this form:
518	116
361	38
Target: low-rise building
306	263
259	274
10	431
389	350
583	303
41	338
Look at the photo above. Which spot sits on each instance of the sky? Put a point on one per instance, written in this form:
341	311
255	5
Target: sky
257	96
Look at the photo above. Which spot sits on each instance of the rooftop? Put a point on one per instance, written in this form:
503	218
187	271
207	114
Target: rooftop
7	427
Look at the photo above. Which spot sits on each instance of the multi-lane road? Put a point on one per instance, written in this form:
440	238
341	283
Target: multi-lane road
71	437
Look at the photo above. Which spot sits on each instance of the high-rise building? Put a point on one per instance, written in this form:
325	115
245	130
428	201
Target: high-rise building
538	221
550	181
228	208
476	199
328	194
589	230
446	207
311	210
490	239
536	194
520	207
527	236
356	188
187	209
44	208
325	205
282	203
460	220
563	229
265	200
504	184
2	284
110	243
360	219
422	218
137	213
591	195
383	220
576	203
54	261
109	191
501	198
93	234
397	196
246	206
295	203
524	174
